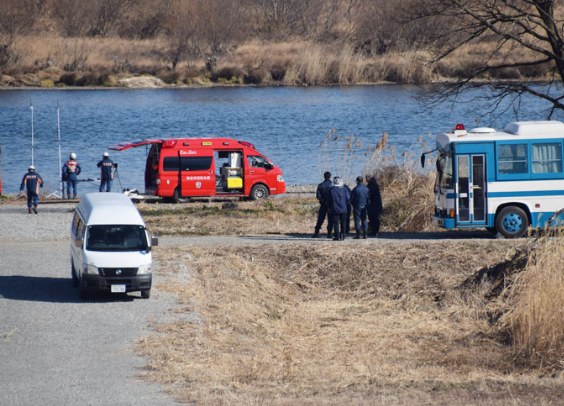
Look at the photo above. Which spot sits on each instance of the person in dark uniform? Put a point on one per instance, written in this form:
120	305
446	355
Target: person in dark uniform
32	181
71	169
338	200
349	211
321	194
374	208
360	197
107	175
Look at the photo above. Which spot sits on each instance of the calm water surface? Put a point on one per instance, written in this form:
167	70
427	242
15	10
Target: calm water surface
285	124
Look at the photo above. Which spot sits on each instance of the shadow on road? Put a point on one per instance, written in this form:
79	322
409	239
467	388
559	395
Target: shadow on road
50	290
437	235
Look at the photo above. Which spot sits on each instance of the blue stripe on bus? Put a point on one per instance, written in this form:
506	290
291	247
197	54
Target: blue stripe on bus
527	193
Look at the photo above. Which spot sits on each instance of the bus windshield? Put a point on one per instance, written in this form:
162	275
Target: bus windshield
444	178
116	238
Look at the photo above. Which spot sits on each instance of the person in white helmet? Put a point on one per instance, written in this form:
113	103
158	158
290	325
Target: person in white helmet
31	181
107	175
71	170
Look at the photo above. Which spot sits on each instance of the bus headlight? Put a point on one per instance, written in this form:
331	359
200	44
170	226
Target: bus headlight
144	269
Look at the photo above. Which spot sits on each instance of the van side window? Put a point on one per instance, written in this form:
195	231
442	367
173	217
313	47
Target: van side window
257	161
200	163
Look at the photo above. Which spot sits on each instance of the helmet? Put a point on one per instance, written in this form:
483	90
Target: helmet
105	154
72	155
31	168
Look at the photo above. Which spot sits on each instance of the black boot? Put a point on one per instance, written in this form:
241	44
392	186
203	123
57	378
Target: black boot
316	235
364	234
357	236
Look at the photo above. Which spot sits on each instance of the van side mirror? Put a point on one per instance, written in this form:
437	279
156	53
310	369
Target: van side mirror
268	165
154	241
422	160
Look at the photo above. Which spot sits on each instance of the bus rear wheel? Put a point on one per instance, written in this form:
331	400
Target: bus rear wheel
259	192
512	222
178	198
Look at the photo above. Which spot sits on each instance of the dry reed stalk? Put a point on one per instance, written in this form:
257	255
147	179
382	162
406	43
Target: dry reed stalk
286	325
535	318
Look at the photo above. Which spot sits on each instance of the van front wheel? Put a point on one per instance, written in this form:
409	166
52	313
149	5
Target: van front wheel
178	198
146	294
512	222
259	192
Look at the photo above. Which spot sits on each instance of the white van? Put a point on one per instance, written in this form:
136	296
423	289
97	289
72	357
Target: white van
110	246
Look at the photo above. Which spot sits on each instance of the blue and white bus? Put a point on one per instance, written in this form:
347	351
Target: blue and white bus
504	181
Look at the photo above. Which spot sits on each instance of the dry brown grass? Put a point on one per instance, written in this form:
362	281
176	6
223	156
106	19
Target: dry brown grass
535	307
332	324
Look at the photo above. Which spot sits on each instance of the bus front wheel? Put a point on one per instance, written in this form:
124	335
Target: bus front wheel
512	222
178	198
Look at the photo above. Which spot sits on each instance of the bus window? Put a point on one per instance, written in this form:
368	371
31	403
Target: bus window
547	157
512	159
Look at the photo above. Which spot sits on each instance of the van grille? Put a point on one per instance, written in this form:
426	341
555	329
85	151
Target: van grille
123	272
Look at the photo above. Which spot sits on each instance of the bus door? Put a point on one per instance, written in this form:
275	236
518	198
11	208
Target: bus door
471	184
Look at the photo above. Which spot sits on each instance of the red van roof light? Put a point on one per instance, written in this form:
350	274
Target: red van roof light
459	127
247	144
169	143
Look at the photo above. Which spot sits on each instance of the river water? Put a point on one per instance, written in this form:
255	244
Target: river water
287	124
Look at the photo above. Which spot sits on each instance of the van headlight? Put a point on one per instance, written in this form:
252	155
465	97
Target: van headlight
91	269
279	178
144	269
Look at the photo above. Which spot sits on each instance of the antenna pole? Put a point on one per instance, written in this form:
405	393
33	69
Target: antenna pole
59	138
31	108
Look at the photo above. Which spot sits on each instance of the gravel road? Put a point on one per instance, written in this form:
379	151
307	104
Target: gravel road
57	350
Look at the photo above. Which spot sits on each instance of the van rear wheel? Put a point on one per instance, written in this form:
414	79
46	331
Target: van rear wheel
178	198
512	222
259	192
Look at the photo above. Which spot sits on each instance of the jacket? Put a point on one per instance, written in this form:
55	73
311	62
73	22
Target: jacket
32	181
323	190
106	165
338	200
375	204
360	197
71	169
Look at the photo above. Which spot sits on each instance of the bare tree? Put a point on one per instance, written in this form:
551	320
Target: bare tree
17	17
106	14
515	35
72	16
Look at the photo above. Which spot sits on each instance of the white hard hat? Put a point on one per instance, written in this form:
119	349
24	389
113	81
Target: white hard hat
106	154
31	168
72	155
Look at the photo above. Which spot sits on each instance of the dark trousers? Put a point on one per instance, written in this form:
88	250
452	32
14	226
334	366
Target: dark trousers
71	185
107	183
374	219
321	214
348	219
339	219
32	199
360	218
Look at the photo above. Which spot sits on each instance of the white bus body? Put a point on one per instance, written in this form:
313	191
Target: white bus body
504	181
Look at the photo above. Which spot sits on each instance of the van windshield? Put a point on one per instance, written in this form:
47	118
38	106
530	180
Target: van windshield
116	238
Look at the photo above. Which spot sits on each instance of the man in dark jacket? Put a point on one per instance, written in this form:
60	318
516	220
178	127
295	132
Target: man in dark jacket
374	208
338	200
106	176
321	194
71	169
360	197
32	181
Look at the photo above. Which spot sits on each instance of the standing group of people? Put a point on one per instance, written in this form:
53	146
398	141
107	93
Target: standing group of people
32	181
337	201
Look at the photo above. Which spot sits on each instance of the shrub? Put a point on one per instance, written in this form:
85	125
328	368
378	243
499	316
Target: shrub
46	83
69	78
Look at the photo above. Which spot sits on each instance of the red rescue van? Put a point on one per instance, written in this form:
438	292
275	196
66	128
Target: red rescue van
182	168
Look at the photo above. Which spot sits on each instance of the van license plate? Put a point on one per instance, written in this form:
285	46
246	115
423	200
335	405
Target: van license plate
118	288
